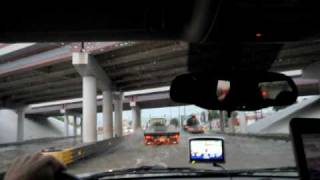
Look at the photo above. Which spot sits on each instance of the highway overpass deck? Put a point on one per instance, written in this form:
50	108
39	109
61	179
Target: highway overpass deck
50	75
43	71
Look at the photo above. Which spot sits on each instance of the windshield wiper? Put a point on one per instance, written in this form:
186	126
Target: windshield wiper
288	172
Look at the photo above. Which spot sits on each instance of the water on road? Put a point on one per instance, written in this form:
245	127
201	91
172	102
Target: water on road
241	152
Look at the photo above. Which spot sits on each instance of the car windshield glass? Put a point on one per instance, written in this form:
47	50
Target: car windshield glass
95	106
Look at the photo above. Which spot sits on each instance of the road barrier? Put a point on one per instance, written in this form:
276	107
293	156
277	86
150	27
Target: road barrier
37	141
73	154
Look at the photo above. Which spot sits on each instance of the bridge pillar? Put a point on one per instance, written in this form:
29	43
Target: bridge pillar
74	125
231	125
20	123
93	77
107	111
243	122
66	124
221	120
89	108
81	127
118	107
136	117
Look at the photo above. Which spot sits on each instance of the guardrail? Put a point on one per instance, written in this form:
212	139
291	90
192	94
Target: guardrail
38	140
71	155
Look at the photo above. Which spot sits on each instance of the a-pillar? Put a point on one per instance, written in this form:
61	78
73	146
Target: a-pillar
118	106
136	117
20	123
66	124
89	109
107	111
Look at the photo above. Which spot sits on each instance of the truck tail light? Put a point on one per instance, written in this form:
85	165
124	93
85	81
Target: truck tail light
176	136
148	137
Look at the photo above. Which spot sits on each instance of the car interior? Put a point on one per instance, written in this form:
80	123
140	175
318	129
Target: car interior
232	43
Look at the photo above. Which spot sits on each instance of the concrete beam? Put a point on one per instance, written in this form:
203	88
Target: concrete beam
300	50
42	87
36	78
298	62
150	67
32	49
77	105
56	97
54	56
312	71
38	60
147	54
48	92
87	65
146	83
156	74
135	47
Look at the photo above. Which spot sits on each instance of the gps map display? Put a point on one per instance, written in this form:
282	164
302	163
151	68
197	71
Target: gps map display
206	150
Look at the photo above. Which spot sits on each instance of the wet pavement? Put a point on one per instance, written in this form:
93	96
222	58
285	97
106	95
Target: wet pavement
241	153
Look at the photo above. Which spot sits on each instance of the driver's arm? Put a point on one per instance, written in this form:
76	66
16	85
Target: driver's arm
34	167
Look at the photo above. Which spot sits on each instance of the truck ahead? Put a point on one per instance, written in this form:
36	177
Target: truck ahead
158	132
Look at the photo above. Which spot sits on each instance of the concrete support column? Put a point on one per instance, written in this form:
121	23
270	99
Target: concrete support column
243	122
231	125
136	117
107	111
75	125
206	116
66	124
20	124
89	109
221	120
118	106
81	127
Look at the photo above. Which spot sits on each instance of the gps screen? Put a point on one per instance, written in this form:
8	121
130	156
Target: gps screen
208	150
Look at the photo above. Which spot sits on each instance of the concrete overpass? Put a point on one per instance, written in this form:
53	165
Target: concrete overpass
143	101
44	72
32	75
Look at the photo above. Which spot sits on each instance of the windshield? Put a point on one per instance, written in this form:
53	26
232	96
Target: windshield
59	98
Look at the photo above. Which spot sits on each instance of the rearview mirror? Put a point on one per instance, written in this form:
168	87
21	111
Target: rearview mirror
236	91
